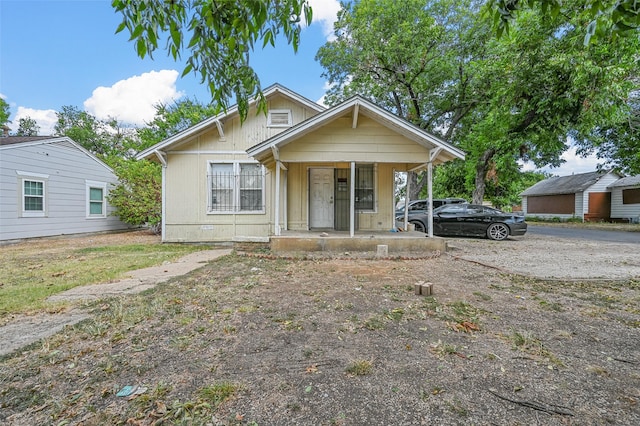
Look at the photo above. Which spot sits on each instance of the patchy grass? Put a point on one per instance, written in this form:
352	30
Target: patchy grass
254	341
28	278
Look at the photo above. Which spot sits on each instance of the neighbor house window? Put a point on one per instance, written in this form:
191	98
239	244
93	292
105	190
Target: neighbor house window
279	118
631	196
33	196
96	204
32	190
236	187
365	188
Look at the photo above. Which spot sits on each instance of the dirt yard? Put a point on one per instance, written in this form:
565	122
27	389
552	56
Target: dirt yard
526	331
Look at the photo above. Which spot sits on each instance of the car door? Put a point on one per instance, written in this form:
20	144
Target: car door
446	219
474	221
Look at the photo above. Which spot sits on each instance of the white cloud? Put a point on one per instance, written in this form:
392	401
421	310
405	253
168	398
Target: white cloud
132	100
574	164
46	119
325	12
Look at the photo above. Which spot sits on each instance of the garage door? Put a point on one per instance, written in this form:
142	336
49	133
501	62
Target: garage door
552	204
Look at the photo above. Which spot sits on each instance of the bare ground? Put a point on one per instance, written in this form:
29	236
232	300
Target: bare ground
345	341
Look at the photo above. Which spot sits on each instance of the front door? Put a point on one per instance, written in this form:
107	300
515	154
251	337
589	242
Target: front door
321	198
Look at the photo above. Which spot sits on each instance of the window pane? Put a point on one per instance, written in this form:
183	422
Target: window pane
95	194
364	187
95	208
222	184
250	187
33	204
33	188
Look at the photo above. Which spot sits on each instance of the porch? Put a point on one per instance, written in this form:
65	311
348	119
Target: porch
378	243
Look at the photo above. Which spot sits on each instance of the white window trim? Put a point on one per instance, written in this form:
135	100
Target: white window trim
236	189
279	111
32	177
101	185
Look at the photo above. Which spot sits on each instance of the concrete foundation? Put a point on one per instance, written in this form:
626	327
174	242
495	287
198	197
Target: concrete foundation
396	243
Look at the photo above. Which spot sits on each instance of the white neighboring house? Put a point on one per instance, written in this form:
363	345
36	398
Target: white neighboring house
625	199
52	186
585	196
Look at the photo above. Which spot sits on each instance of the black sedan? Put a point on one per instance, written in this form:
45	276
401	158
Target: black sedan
471	220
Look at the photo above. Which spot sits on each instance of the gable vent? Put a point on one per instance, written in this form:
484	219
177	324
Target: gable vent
279	118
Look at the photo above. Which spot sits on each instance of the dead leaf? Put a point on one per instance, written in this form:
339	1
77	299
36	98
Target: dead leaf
239	417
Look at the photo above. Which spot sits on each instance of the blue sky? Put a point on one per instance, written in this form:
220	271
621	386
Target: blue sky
55	53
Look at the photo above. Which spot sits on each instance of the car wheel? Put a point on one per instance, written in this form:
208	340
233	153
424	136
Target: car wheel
498	231
419	226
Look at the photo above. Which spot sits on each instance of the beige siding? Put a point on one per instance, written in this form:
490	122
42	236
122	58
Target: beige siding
298	197
186	214
369	142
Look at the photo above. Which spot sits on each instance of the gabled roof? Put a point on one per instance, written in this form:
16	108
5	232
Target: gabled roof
626	181
216	120
17	142
357	105
11	140
565	184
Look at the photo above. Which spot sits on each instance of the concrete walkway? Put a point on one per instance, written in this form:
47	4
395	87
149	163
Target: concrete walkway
26	329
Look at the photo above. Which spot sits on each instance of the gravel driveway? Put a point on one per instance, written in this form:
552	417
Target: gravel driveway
551	257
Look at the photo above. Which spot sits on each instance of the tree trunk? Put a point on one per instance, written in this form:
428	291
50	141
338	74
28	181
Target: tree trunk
481	172
414	190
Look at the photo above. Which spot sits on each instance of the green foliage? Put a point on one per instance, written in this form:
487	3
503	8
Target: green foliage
138	195
107	139
5	112
27	127
217	37
606	18
519	98
172	119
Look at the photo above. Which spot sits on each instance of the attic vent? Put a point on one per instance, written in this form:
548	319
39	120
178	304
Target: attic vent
279	118
65	144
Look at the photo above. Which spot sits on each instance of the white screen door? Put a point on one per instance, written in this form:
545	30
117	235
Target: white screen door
321	198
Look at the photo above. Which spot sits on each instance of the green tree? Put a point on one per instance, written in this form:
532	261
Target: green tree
171	119
138	195
218	37
502	100
5	112
618	144
107	139
607	17
27	127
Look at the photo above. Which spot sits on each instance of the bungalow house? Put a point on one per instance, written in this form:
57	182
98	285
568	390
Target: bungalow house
625	199
52	186
585	196
299	167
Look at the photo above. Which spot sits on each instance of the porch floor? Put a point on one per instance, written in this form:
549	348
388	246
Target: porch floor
363	241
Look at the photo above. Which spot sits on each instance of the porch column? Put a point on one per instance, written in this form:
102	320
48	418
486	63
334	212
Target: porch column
433	154
352	204
430	190
285	218
277	206
406	203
